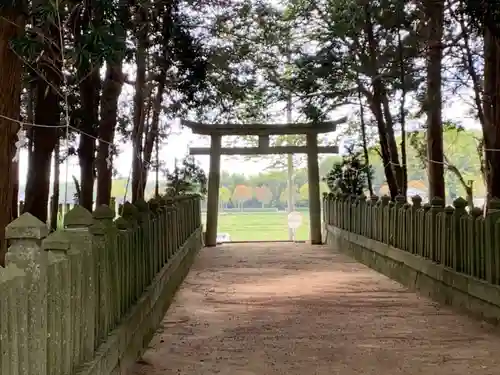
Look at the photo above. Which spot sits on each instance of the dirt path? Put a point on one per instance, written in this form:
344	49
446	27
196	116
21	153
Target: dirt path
295	309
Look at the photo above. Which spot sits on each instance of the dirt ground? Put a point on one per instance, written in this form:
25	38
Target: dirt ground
290	309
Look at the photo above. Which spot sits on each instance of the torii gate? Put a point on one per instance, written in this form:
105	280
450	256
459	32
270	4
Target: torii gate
263	131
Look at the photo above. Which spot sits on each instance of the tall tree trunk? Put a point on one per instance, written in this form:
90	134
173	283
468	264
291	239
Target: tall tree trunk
47	112
88	73
154	131
434	10
89	93
391	142
54	208
468	61
363	137
491	99
375	101
139	104
11	26
111	91
402	116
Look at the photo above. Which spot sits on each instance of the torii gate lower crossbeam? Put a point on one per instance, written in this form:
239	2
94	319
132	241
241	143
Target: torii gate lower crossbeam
263	131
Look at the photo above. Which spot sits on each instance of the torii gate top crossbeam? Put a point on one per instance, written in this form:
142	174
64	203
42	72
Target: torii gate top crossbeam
262	129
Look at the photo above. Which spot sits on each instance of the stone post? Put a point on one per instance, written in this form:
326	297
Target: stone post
491	246
25	235
458	236
476	242
147	249
14	354
384	215
445	221
437	206
59	304
125	243
83	274
397	222
108	269
130	214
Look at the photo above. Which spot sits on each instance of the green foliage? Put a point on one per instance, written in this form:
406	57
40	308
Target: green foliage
295	195
304	191
484	14
224	195
186	179
350	176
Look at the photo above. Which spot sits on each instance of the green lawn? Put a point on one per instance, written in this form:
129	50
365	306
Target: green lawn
259	226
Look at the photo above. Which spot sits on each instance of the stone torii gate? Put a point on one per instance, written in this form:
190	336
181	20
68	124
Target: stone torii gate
263	131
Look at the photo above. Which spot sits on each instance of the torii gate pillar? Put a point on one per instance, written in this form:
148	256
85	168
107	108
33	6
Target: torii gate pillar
314	195
213	191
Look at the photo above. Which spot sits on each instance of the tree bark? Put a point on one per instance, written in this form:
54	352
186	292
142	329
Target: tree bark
391	143
402	116
111	91
139	104
376	106
154	131
89	94
363	139
11	26
434	10
491	103
47	112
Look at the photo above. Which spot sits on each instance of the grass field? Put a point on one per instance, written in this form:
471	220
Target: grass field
259	226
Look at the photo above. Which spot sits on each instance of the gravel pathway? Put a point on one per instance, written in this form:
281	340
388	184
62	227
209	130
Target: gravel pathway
278	308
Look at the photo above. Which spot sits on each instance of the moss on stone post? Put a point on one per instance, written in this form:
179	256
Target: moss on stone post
473	240
124	244
155	218
458	235
403	235
105	289
14	354
159	229
25	235
384	218
108	262
362	214
130	213
148	247
83	273
423	232
432	245
491	246
371	214
445	234
412	220
59	320
397	224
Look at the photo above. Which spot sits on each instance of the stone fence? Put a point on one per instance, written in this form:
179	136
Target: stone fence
86	299
452	254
